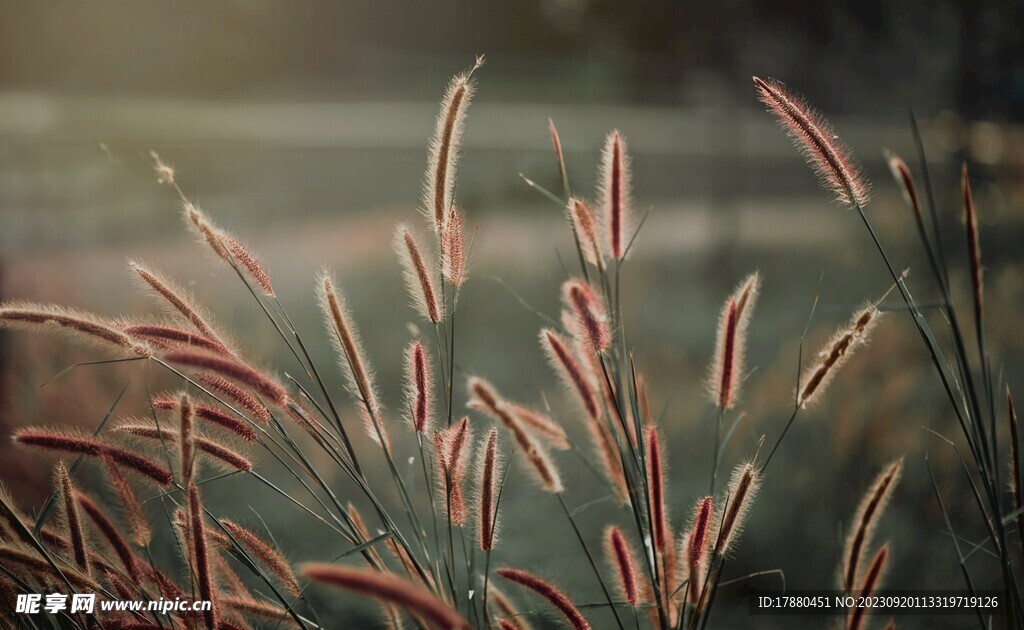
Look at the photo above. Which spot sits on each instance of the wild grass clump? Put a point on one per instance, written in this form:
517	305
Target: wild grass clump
417	560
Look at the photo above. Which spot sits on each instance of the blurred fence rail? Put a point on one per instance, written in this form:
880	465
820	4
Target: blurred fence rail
277	162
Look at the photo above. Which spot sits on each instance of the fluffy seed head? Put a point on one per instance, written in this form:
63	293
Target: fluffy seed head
250	264
204	574
175	299
484	398
204	229
726	371
71	517
235	394
585	228
614	193
82	444
445	149
836	353
742	488
187	418
554	596
864	523
487	491
388	588
77	325
542	426
453	250
229	368
131	507
225	456
870	584
263	551
623	563
698	545
570	371
453	447
419	387
656	488
214	416
111	534
170	336
511	620
905	180
417	272
351	357
816	140
590	317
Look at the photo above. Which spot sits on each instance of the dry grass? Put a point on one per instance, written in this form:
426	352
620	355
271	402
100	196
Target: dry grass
430	574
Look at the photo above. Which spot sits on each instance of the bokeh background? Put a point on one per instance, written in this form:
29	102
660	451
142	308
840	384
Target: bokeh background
302	127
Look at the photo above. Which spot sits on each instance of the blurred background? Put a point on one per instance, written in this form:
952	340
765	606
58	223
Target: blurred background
302	127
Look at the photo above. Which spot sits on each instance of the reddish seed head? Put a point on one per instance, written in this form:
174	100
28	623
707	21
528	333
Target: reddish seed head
202	566
78	325
590	318
72	519
542	426
352	359
727	368
901	173
697	547
249	263
131	507
417	272
112	535
742	488
815	139
870	584
187	420
419	387
487	489
445	147
836	353
175	298
452	446
622	561
388	588
864	522
656	487
169	336
235	394
80	444
214	416
205	229
554	596
585	228
614	193
485	399
220	453
263	551
229	368
453	250
569	371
